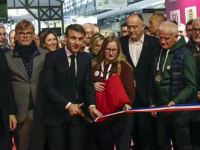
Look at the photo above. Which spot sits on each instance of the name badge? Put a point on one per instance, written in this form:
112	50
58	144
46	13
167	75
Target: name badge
96	73
158	78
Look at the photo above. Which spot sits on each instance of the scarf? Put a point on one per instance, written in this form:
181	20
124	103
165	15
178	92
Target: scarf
25	52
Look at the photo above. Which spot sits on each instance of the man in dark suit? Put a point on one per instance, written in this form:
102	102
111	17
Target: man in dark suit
138	48
67	81
8	108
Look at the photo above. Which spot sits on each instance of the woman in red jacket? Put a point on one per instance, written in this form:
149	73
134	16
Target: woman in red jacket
109	62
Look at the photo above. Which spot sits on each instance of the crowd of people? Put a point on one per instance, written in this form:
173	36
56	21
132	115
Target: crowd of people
48	86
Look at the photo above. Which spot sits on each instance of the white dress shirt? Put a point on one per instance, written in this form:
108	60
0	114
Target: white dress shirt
87	49
69	61
135	49
198	47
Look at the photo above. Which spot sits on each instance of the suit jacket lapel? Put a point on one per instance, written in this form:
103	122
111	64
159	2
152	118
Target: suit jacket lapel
79	64
20	65
36	64
127	52
65	64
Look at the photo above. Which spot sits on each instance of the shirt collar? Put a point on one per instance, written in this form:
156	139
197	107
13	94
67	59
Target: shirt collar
141	40
68	52
198	47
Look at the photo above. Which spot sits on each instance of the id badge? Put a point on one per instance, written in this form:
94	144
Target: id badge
158	78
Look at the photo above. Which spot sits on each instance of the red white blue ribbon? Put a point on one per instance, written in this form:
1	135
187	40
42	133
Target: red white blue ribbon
178	107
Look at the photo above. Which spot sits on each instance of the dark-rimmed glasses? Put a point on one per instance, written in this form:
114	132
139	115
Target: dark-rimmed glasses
114	51
22	34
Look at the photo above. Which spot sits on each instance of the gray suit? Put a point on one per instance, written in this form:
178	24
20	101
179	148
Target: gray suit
27	119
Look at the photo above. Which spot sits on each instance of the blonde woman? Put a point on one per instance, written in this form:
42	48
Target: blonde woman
49	41
95	44
109	62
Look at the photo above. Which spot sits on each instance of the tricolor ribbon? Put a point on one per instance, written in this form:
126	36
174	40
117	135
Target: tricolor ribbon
178	107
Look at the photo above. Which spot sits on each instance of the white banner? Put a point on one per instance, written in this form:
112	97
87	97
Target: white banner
175	15
114	4
99	4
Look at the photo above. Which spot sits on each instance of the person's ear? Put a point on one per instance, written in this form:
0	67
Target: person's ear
65	38
143	26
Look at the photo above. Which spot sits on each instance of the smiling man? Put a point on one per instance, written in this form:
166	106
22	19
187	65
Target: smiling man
138	48
25	62
68	87
174	82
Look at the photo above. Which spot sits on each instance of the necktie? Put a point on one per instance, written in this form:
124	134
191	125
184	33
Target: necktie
73	75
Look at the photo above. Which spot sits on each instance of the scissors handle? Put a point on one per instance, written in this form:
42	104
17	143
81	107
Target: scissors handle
87	118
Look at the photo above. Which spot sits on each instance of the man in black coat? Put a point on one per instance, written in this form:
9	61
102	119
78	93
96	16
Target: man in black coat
194	46
68	87
138	49
8	108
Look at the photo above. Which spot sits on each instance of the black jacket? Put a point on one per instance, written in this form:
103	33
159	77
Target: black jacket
7	99
141	71
58	86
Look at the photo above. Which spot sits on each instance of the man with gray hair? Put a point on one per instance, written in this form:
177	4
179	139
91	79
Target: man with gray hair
194	46
89	30
2	38
173	81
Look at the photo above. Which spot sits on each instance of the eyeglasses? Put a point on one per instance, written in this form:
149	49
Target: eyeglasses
84	116
114	51
195	30
189	30
3	34
97	46
22	34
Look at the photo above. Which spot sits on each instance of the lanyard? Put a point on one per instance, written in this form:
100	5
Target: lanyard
102	70
158	65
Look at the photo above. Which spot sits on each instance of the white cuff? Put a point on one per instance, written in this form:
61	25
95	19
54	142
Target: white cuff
68	105
92	106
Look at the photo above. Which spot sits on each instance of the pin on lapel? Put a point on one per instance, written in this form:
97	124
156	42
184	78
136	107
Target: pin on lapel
79	57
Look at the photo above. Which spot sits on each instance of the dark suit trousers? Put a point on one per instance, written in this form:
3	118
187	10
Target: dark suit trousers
29	135
143	127
70	135
5	138
166	128
195	135
116	132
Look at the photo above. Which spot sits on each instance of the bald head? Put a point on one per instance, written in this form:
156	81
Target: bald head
135	27
135	16
1	26
154	23
160	17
